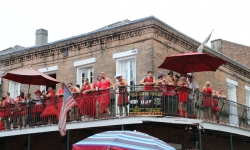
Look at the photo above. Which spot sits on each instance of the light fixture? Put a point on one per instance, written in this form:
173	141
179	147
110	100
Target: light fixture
194	142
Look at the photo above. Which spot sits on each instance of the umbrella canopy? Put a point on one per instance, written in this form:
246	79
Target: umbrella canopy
121	140
30	76
192	62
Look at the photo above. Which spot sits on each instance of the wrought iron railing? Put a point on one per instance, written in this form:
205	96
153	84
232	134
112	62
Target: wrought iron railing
125	102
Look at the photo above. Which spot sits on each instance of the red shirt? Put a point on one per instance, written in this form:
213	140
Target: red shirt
149	87
105	84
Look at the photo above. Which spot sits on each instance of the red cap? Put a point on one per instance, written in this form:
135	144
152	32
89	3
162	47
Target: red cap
37	91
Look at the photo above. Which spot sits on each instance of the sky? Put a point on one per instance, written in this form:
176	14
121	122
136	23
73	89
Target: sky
195	18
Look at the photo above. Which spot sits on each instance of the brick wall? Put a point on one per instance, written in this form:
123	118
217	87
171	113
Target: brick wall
235	51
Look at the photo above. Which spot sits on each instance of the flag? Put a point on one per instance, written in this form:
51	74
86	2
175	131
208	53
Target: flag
68	102
204	43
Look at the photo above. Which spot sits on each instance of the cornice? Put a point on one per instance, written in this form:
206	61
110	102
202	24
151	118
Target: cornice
57	49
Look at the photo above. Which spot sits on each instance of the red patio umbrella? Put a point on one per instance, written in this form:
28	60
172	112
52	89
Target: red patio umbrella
30	76
192	62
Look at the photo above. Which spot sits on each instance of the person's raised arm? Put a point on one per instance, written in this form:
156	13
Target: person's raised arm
142	81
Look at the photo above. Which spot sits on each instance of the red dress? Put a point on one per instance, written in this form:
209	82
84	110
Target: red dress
87	103
105	95
60	99
50	109
215	104
183	93
207	99
2	114
122	97
21	105
149	87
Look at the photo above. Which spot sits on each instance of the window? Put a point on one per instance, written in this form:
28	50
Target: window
51	71
127	69
248	102
14	89
231	86
84	70
126	65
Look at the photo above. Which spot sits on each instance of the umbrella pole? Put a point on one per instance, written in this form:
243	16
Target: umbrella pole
29	89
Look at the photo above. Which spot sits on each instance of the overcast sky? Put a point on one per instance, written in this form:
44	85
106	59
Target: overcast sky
195	18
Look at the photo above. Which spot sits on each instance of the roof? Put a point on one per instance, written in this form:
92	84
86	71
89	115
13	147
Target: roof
116	25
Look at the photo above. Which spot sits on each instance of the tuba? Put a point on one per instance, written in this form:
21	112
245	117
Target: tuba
19	108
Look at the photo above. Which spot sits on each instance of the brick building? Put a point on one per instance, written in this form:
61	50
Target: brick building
131	48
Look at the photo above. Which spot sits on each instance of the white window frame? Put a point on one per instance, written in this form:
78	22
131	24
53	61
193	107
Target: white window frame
233	84
247	89
48	71
1	74
11	89
121	57
82	65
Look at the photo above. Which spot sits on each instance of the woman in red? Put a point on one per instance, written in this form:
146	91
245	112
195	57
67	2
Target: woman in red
9	104
122	97
50	111
207	100
60	93
21	112
38	108
97	85
106	84
74	112
148	81
216	108
86	105
162	80
2	113
183	95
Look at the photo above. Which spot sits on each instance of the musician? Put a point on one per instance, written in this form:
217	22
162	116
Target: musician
183	95
50	111
21	111
9	104
38	107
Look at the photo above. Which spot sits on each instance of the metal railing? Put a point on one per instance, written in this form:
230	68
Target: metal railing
125	102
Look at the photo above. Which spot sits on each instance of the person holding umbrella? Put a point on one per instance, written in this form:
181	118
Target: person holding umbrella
183	95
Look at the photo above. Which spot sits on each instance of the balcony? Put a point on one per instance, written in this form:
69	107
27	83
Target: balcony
158	105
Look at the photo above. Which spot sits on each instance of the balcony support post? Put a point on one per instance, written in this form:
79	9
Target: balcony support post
200	139
28	141
231	141
68	136
122	128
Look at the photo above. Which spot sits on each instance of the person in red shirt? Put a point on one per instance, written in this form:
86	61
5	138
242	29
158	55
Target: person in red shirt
106	85
122	97
148	81
86	105
60	93
50	111
97	86
207	100
21	111
74	111
183	95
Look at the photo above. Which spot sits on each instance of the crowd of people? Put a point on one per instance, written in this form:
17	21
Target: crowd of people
47	105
